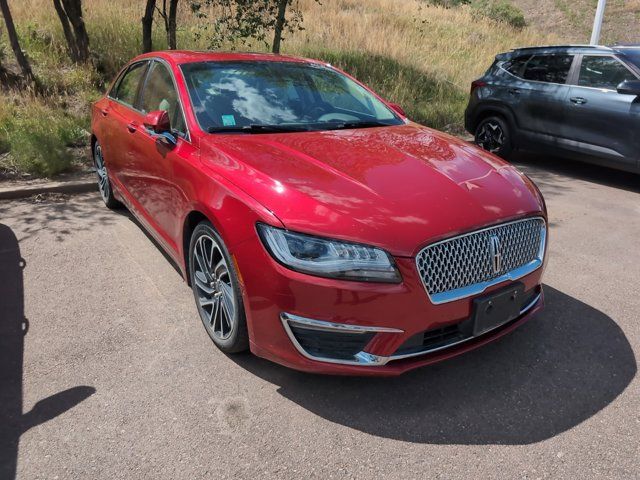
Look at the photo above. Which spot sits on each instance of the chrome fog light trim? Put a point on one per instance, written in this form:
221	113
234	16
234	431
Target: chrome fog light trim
361	358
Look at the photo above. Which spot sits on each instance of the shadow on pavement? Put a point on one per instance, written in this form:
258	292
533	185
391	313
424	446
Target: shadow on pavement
554	372
544	169
13	329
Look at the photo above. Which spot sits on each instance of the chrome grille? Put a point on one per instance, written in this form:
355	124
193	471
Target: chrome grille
468	264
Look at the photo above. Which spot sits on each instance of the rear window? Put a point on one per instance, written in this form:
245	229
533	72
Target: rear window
548	68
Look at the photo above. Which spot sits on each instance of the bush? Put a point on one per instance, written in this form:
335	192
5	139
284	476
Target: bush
37	137
500	11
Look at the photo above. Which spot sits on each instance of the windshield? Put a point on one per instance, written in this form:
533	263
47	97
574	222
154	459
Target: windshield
280	96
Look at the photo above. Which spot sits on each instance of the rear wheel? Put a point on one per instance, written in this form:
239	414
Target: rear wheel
494	135
215	285
104	184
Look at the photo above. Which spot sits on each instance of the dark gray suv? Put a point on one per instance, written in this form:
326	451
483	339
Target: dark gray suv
576	101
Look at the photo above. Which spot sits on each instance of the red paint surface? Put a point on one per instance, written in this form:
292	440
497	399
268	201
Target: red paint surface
398	188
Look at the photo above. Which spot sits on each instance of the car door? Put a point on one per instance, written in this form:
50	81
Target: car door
121	117
541	96
600	121
154	160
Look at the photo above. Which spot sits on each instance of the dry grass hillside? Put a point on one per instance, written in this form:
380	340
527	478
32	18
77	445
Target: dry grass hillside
418	55
573	19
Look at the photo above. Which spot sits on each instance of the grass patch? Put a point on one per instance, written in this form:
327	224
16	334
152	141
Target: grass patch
413	53
38	137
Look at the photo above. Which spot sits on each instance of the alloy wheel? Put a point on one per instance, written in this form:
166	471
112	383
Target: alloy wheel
491	136
214	292
101	172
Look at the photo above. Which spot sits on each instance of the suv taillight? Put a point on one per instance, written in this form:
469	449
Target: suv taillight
476	84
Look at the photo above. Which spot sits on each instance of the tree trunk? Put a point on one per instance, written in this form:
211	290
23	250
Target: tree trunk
75	32
23	62
277	37
74	12
66	29
147	25
171	30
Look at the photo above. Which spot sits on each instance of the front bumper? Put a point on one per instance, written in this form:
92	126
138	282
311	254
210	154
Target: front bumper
278	300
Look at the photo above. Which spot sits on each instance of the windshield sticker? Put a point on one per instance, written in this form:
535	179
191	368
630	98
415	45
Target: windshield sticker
228	120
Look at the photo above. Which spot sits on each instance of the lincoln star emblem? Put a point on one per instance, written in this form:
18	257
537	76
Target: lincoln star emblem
496	253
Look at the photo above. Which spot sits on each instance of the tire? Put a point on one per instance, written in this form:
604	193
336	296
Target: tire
104	184
216	290
494	135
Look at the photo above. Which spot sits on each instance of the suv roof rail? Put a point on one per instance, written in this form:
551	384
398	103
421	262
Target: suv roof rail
576	45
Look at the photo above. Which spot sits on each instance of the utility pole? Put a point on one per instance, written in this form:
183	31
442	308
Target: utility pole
597	22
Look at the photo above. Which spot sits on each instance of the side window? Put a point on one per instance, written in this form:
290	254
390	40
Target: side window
548	68
516	65
160	94
128	86
603	72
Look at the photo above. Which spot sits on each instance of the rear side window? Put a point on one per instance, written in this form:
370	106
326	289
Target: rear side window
603	72
548	68
516	65
128	86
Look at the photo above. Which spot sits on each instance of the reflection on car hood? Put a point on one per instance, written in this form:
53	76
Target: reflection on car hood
395	187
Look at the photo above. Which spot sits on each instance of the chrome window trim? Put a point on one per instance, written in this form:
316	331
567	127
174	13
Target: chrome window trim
149	60
478	288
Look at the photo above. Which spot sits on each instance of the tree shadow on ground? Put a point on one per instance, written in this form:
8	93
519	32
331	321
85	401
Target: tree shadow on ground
54	213
556	371
13	330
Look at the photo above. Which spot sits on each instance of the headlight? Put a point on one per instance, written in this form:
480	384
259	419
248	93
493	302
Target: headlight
329	258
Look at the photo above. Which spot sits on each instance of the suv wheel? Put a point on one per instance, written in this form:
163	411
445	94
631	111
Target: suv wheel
493	135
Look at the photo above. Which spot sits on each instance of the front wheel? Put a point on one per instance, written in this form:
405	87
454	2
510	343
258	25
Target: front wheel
493	134
215	285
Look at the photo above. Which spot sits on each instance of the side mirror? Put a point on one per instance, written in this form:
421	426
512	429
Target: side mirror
159	125
157	121
629	87
398	109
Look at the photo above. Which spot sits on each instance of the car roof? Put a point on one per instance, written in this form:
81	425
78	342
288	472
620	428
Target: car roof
575	48
189	56
563	48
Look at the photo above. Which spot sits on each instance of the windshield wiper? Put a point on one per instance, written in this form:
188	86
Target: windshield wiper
256	128
358	124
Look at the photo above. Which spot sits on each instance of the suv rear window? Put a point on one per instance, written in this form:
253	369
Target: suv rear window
548	68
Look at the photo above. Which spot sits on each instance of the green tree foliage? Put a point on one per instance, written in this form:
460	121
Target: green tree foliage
240	21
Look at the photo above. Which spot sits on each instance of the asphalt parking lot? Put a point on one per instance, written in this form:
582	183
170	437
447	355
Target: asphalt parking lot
106	371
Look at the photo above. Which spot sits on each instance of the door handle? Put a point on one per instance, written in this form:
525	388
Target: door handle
132	127
514	91
578	100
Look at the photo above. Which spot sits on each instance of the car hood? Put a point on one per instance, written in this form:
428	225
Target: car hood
398	188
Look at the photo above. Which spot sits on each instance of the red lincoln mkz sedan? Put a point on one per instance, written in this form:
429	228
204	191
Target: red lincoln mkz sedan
316	224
